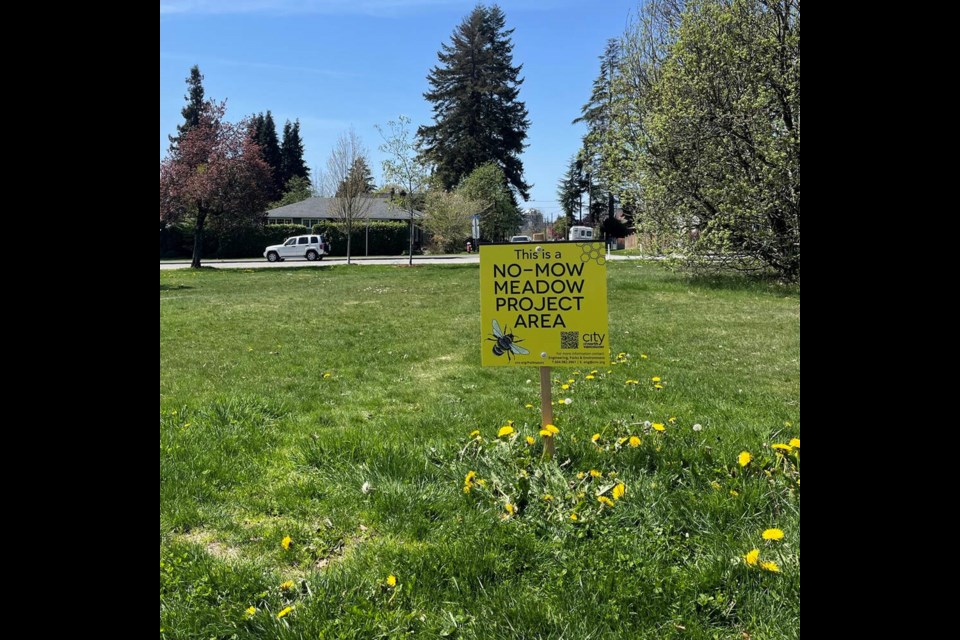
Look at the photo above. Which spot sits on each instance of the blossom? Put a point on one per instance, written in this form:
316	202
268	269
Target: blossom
671	420
475	433
752	556
605	501
574	517
698	427
564	387
567	401
595	474
772	534
551	428
795	443
770	566
504	431
781	448
618	491
590	377
528	406
595	437
643	356
658	387
571	381
283	612
548	497
634	441
327	374
286	586
632	382
530	440
655	379
468	481
621	355
286	542
391	581
734	493
250	611
545	434
658	426
715	485
581	475
509	508
744	458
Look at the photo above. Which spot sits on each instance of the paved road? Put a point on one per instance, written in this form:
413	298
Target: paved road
261	263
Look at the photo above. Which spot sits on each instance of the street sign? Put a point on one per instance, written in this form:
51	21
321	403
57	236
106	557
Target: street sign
544	305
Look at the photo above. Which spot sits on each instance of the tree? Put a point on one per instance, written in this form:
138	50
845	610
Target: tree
478	118
571	188
264	133
447	216
711	130
533	221
351	201
292	164
499	217
214	174
403	165
296	190
194	107
359	175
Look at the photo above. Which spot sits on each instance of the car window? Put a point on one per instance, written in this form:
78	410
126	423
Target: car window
290	242
302	240
314	240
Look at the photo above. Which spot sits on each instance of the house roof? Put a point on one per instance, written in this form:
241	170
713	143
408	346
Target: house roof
380	209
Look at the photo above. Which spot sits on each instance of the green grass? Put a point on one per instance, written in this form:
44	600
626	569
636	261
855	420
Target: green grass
256	444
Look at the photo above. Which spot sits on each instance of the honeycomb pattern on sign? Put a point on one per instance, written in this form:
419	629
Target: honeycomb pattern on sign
589	251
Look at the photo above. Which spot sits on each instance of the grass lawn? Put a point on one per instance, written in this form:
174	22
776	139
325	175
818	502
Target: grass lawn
315	439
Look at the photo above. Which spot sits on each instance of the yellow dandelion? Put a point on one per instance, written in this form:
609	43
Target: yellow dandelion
752	556
595	474
671	420
770	566
286	542
795	443
509	508
250	611
643	356
781	448
327	374
734	493
744	458
545	434
468	481
622	440
475	433
571	381
632	382
621	355
564	387
634	441
658	426
715	485
286	586
605	501
618	491
391	581
772	534
548	497
581	475
658	387
574	517
284	612
530	440
655	379
551	428
590	377
528	406
595	437
504	431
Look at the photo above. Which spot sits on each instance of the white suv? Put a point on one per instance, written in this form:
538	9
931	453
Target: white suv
312	247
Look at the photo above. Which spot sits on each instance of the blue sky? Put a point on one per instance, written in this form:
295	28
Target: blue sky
340	63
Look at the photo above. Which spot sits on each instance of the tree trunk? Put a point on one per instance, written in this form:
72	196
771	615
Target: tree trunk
411	238
198	239
349	234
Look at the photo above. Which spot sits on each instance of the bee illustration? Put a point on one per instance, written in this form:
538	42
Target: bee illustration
506	343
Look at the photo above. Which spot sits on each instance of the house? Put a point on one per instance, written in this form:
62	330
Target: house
316	210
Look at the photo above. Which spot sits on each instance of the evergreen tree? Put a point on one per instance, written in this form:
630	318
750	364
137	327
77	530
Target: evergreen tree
477	116
360	179
291	154
193	109
571	188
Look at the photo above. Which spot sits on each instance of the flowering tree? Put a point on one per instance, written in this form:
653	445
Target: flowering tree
214	175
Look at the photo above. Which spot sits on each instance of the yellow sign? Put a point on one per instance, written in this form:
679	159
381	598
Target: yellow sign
544	305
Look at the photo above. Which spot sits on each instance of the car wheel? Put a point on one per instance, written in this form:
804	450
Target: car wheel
273	256
312	255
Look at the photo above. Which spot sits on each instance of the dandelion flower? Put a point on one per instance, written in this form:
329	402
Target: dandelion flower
618	491
734	493
571	381
283	612
795	443
658	387
509	508
568	401
475	433
530	440
772	534
590	377
752	556
770	566
504	431
581	475
781	448
621	355
548	497
528	406
595	474
251	611
551	428
605	501
564	387
634	441
286	586
622	440
671	420
744	458
632	382
715	485
391	581
698	427
327	374
574	517
468	481
655	379
595	437
545	434
658	426
286	542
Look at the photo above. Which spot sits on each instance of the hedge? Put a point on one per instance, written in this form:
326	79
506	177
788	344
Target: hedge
386	238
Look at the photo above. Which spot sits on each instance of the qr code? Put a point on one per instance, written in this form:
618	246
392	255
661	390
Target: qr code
569	339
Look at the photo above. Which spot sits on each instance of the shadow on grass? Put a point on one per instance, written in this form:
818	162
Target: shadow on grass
742	282
174	287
